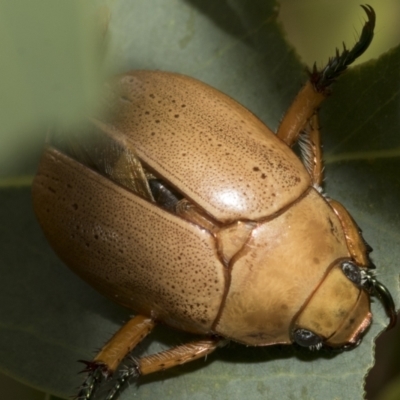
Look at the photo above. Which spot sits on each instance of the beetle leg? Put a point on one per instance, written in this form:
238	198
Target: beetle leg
376	288
311	150
316	89
113	352
358	248
359	251
299	113
166	359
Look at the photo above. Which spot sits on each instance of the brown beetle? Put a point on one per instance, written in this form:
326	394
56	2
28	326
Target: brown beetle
183	206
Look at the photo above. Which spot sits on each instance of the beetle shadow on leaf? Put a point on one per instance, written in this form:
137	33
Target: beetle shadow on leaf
233	353
237	353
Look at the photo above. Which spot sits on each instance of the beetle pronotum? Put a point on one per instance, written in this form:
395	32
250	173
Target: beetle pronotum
243	244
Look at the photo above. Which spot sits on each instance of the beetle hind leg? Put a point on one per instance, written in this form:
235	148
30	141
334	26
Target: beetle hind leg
163	360
316	89
114	351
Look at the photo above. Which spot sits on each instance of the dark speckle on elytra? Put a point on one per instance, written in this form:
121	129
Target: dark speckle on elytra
263	176
157	121
152	96
75	206
256	169
176	115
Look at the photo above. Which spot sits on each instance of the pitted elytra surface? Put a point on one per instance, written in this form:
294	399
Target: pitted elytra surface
120	258
161	111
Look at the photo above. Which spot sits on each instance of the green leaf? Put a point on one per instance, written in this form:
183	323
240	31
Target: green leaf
49	318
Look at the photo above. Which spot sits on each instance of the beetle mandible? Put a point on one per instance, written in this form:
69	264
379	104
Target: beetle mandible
183	206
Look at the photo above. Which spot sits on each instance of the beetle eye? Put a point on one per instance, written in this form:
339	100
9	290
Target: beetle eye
306	338
352	272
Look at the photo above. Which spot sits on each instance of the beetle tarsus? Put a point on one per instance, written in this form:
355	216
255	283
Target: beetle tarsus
308	100
126	374
97	372
376	288
322	79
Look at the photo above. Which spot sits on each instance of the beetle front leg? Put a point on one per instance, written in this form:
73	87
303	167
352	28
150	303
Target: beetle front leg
358	248
113	352
166	359
359	251
316	89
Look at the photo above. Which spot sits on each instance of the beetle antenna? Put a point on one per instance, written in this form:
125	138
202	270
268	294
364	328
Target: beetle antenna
337	65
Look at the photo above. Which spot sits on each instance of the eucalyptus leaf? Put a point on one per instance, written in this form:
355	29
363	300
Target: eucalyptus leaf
49	318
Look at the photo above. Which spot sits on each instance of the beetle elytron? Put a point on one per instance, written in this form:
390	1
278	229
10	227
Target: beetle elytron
183	206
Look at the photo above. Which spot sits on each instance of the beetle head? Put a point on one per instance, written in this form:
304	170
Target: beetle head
339	311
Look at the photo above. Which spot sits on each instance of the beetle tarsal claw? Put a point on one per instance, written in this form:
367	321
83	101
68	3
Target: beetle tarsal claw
376	288
384	295
322	79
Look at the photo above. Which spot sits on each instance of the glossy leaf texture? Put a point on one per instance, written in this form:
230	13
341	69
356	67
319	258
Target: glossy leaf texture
49	318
